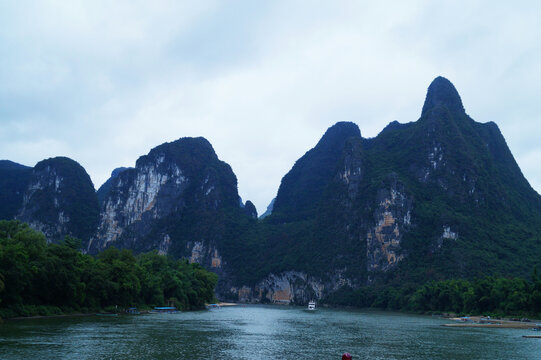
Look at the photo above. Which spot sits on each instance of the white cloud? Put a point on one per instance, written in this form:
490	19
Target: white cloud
104	82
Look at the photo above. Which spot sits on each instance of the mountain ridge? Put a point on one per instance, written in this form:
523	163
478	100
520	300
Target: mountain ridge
437	198
431	199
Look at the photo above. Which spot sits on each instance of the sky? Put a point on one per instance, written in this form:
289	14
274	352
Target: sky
103	82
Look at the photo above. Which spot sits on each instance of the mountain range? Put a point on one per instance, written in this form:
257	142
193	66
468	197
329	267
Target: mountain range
438	198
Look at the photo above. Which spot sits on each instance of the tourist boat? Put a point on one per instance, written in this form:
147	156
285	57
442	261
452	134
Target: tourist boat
165	309
312	305
213	306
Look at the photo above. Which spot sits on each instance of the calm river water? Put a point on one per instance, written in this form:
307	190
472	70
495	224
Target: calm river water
260	332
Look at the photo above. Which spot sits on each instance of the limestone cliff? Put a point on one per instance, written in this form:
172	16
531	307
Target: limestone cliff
178	200
440	197
60	200
392	217
288	287
423	200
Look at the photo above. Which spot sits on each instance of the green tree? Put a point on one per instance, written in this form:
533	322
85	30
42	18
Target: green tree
35	276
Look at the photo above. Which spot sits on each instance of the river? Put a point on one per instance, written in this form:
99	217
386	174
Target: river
260	332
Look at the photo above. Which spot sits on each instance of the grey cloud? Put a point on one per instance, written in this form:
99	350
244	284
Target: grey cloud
104	82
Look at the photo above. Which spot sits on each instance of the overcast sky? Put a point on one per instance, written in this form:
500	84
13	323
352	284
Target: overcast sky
103	82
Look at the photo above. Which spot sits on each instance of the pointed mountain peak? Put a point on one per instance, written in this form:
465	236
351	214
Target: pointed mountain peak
337	133
442	92
250	210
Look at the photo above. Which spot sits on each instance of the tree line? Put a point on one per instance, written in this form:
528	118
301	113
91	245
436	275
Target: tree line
37	278
491	295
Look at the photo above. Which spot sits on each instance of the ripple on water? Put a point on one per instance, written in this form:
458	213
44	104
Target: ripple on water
259	332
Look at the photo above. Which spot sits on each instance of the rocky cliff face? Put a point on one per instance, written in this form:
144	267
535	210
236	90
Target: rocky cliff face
417	202
179	199
392	217
60	200
133	200
438	198
106	187
289	287
310	243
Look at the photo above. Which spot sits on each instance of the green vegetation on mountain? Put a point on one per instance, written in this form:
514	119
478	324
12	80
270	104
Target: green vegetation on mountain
191	207
308	228
447	172
304	185
60	200
250	210
475	188
37	278
427	201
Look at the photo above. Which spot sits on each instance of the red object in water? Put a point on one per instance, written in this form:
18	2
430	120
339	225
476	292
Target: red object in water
346	356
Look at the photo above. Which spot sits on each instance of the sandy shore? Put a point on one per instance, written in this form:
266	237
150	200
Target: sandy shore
227	304
475	321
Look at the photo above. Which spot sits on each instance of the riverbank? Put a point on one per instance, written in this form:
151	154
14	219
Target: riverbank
144	310
49	316
222	304
477	321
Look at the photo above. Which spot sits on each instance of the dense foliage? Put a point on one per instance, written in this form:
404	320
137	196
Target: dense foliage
475	187
313	227
488	295
302	187
458	174
40	278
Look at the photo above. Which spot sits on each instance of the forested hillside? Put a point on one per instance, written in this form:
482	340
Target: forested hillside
439	198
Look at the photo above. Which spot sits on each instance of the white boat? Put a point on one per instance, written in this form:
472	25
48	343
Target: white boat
312	305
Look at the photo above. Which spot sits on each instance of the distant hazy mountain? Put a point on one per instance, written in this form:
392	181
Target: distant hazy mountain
269	209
